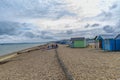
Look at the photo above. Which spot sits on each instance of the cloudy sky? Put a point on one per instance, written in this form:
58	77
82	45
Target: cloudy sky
46	20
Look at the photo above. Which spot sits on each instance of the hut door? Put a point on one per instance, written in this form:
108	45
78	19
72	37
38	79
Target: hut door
100	43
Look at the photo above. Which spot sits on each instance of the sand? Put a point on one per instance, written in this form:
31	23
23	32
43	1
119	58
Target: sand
91	64
32	65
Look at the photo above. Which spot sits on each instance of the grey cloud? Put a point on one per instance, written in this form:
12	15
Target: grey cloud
78	32
15	28
90	33
87	25
29	34
3	36
44	32
34	8
8	28
117	27
47	37
104	16
67	26
65	13
108	29
69	32
113	6
118	24
23	30
112	14
95	25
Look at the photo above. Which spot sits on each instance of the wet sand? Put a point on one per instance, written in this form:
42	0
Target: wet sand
91	64
36	64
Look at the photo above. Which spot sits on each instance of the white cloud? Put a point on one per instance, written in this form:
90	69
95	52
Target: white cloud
84	8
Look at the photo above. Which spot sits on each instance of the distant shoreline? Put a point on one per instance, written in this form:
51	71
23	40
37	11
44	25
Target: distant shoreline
22	49
21	43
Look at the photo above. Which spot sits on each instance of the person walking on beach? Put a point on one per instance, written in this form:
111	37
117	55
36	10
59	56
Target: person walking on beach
56	46
52	46
48	47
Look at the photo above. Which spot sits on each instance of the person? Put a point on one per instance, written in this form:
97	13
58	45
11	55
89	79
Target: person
48	47
52	46
56	46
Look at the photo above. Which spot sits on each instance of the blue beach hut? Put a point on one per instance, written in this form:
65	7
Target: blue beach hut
106	42
117	42
109	42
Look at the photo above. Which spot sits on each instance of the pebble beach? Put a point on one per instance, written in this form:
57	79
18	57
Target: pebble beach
91	64
33	65
82	64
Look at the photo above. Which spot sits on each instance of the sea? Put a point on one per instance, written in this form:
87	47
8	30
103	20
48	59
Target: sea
8	48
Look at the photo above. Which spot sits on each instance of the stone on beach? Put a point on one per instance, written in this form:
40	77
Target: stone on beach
91	64
35	65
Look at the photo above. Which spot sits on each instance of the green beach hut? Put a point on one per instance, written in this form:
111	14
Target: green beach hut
79	42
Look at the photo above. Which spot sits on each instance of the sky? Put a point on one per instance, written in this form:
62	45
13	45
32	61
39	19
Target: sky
49	20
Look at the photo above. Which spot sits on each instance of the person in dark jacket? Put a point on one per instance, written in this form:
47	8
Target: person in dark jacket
52	46
56	46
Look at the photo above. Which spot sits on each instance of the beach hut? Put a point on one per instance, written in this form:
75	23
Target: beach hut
105	42
79	42
99	42
117	42
96	42
109	42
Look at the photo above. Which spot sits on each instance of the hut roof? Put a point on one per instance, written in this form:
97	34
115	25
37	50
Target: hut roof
95	37
105	37
118	36
78	38
108	36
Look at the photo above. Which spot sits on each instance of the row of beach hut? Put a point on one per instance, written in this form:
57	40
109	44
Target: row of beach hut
108	42
104	42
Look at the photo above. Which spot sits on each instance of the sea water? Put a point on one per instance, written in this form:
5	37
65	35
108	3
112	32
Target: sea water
14	47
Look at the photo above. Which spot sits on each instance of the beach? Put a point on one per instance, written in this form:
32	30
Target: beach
90	63
32	64
39	63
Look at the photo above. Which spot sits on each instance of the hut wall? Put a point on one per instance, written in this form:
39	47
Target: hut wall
117	44
80	43
109	44
103	44
112	45
106	45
